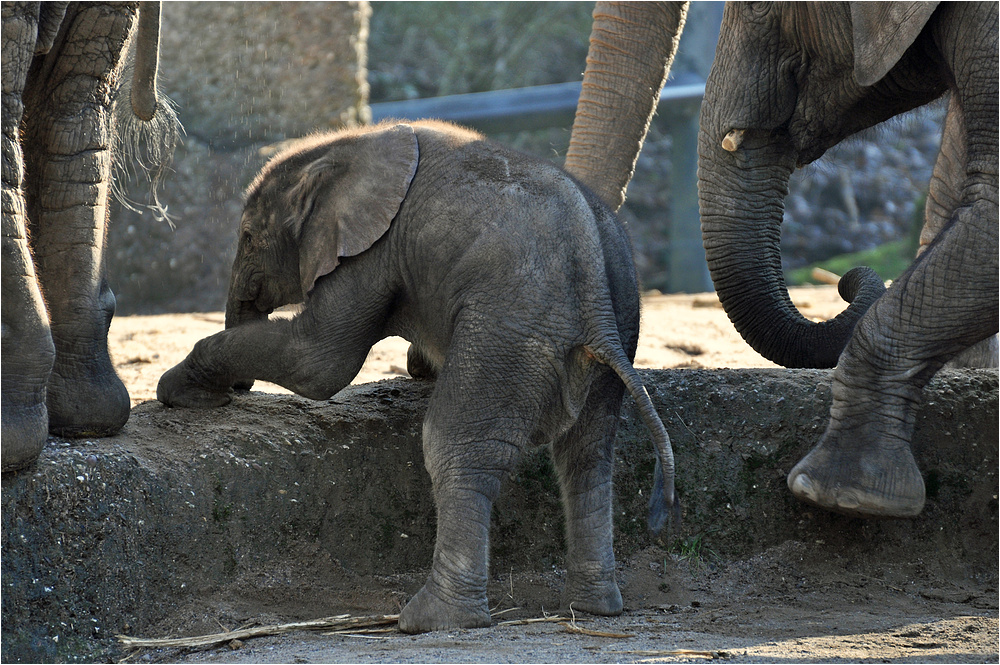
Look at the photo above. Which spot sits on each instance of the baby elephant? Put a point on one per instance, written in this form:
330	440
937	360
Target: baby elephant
515	287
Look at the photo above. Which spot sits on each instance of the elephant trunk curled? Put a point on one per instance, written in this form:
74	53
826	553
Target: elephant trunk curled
241	309
742	184
241	303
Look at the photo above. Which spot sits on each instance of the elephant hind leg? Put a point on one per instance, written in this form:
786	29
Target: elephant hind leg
85	395
584	461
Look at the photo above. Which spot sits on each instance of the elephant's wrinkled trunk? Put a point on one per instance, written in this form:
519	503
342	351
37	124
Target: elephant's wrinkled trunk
239	312
620	91
741	192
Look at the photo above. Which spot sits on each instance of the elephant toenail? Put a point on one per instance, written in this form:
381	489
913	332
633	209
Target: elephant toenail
802	486
848	501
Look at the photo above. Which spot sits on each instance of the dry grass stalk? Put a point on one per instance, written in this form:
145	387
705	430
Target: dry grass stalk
343	622
573	628
678	652
525	622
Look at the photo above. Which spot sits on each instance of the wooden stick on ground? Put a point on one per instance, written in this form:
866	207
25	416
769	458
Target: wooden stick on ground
573	628
342	622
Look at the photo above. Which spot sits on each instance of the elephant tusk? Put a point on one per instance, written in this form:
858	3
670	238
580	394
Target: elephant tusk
733	140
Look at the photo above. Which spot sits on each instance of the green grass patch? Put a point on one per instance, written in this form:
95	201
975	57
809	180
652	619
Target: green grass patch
888	260
694	550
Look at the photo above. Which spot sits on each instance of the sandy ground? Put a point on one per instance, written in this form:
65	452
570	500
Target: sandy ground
677	331
787	604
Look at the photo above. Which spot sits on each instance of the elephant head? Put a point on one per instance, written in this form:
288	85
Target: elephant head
312	206
789	81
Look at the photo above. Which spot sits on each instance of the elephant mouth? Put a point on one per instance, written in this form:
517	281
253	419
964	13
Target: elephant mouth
262	307
239	312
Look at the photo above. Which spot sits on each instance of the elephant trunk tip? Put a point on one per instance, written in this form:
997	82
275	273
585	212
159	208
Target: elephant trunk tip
861	284
732	141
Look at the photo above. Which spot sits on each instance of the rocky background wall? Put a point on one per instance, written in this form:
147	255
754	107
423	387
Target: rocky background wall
244	77
247	76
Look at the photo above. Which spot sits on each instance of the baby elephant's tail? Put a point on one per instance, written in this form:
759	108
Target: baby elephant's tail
664	504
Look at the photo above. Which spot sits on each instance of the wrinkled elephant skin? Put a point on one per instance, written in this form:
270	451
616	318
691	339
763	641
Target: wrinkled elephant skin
61	69
789	81
517	291
860	57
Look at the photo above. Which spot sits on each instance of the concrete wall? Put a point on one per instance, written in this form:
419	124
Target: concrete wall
243	76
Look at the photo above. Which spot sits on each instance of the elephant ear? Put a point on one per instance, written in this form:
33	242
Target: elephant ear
882	33
345	200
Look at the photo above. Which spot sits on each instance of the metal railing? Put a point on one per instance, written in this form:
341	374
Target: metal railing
521	109
545	106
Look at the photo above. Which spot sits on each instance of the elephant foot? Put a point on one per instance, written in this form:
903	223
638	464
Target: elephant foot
426	612
93	405
600	597
178	388
419	367
25	429
86	398
872	482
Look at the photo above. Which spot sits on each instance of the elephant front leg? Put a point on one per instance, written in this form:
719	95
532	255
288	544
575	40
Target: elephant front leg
85	395
944	197
28	353
947	301
299	354
862	465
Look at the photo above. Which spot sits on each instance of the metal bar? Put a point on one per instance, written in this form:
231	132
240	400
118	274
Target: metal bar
520	109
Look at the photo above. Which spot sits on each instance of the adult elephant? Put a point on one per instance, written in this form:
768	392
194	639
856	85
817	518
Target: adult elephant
789	81
62	65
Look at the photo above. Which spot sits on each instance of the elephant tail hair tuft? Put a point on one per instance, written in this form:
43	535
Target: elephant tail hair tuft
142	146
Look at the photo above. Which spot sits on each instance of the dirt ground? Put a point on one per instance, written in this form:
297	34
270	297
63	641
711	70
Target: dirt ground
790	603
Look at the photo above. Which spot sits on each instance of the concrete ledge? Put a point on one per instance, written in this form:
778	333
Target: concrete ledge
110	535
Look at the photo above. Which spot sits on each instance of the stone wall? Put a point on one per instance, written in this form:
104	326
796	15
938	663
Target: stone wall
244	76
279	497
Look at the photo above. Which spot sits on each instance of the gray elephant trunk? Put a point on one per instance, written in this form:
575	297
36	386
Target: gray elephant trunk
620	91
240	312
741	195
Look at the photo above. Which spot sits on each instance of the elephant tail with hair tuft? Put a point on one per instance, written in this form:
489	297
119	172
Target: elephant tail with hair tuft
146	125
664	503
